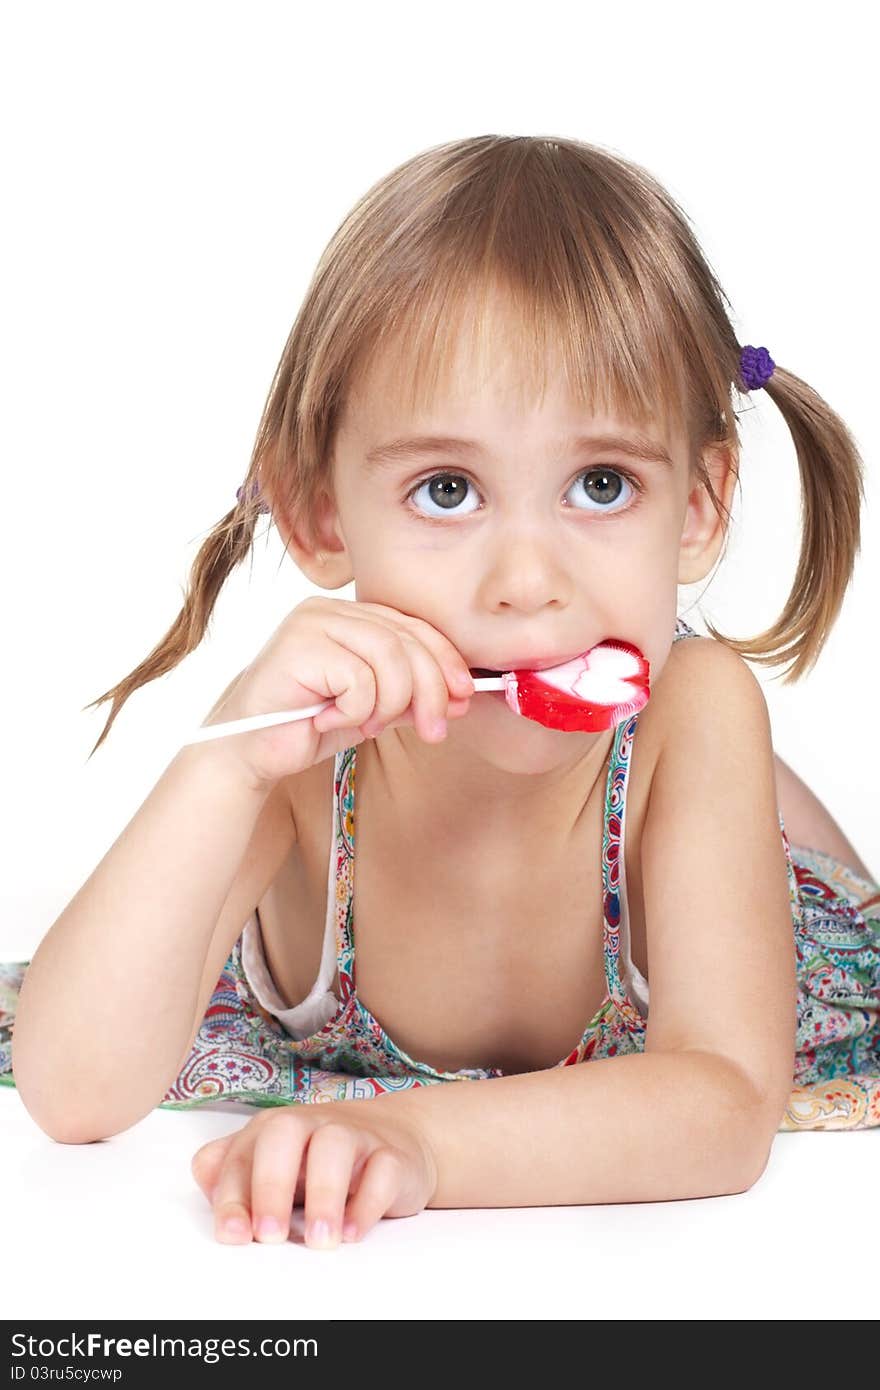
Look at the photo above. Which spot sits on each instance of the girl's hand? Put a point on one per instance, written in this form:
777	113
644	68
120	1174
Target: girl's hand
348	1162
381	666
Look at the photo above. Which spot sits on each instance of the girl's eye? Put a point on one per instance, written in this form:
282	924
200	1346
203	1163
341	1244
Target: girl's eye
598	486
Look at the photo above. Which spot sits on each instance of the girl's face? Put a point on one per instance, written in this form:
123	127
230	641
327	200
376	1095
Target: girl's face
519	531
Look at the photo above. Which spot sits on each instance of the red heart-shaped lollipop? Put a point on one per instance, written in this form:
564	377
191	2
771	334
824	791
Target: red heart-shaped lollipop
595	691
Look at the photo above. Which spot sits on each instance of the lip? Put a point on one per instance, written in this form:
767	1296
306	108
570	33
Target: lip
530	663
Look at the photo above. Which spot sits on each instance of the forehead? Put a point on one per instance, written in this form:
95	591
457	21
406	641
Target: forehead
486	412
491	373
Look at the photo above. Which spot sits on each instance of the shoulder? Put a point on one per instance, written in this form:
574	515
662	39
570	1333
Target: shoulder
711	736
704	652
705	684
703	688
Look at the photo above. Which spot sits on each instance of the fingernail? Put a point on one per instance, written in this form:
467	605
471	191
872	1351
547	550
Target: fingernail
438	729
319	1235
233	1226
270	1230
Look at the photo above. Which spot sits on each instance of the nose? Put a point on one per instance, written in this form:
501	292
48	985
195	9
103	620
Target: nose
525	568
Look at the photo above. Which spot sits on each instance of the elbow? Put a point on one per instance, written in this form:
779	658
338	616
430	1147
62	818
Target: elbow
76	1127
69	1138
770	1109
747	1174
745	1126
70	1113
763	1134
751	1148
41	1089
752	1121
62	1128
73	1130
68	1124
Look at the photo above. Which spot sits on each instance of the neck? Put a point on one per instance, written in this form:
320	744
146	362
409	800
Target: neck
453	788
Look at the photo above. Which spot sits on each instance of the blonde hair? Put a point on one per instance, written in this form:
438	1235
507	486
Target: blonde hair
599	265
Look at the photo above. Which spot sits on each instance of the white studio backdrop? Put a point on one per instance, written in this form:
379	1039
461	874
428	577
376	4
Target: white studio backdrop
175	172
170	174
170	177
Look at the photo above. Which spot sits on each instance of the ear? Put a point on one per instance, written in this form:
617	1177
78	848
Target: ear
703	533
322	557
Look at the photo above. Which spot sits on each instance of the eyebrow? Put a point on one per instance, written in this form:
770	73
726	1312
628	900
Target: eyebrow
396	451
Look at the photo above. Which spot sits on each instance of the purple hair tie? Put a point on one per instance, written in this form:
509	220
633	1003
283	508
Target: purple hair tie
254	492
757	367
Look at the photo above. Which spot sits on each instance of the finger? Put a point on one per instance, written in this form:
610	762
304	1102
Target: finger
232	1192
409	685
380	1184
448	657
430	701
277	1159
456	672
396	678
429	697
207	1161
367	665
345	666
330	1159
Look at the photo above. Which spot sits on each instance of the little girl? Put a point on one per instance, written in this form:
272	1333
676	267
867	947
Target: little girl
506	413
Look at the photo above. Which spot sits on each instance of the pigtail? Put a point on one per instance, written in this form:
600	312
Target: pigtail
832	490
228	544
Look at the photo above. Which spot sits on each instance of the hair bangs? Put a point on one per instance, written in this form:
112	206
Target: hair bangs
528	274
459	331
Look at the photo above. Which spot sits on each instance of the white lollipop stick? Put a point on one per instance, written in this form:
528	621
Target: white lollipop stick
288	716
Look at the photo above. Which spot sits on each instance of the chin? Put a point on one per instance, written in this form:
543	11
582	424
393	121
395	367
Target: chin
510	743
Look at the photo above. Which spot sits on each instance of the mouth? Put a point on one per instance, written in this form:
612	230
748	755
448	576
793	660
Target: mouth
528	664
534	663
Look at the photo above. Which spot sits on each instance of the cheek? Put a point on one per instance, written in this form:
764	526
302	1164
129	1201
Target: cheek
657	643
645	614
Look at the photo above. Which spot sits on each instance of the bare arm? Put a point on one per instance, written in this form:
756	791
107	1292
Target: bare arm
108	1000
644	1127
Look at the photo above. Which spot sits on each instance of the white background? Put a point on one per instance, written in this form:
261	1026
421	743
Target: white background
171	173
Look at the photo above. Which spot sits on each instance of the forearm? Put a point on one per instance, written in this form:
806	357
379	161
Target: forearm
107	1002
643	1127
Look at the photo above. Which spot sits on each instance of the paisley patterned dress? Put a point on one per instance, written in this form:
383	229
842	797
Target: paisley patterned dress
253	1047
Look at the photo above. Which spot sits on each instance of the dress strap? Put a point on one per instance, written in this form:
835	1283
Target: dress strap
613	885
616	919
341	871
683	629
